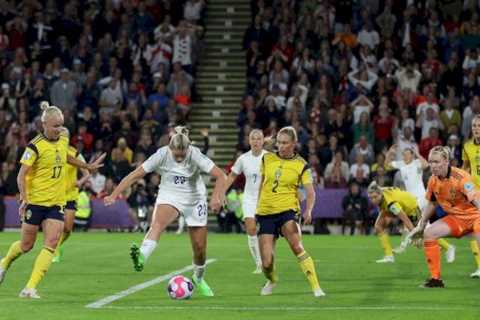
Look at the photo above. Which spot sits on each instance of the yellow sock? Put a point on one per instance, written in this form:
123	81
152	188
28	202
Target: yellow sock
308	268
13	253
63	238
385	241
443	243
42	263
475	251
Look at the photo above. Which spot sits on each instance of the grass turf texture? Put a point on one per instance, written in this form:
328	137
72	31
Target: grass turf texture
97	265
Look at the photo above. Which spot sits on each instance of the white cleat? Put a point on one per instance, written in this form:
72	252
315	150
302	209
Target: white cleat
450	254
258	270
386	259
268	288
29	293
317	293
476	274
2	274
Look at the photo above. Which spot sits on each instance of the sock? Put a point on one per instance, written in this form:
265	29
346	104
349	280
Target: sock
432	254
199	271
444	244
40	267
181	224
254	249
63	238
270	273
385	241
308	268
475	251
13	253
147	248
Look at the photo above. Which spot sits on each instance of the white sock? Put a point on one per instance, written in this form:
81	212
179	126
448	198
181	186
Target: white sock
181	224
254	249
199	271
147	248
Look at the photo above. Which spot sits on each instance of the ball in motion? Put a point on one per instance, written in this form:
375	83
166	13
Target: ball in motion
180	287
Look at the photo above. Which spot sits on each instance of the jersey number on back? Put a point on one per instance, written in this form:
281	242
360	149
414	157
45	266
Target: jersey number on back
56	172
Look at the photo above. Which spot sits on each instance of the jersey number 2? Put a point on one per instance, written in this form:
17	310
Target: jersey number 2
56	172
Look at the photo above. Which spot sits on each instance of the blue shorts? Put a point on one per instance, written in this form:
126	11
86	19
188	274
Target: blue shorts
272	224
439	214
35	214
71	205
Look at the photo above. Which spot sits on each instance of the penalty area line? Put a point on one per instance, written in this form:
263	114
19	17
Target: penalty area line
122	294
286	309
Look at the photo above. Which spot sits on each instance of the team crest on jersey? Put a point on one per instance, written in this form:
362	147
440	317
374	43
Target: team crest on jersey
26	155
468	186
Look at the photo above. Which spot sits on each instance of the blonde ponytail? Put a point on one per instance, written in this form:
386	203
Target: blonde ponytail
374	187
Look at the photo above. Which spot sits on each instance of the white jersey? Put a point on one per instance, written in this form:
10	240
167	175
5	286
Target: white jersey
180	179
249	165
412	176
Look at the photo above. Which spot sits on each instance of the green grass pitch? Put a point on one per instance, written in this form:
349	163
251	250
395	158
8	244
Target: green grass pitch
97	265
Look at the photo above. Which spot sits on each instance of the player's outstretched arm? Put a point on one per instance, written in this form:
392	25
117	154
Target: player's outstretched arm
97	163
126	182
310	203
218	194
427	213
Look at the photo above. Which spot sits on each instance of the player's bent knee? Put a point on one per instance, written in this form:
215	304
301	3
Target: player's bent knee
26	246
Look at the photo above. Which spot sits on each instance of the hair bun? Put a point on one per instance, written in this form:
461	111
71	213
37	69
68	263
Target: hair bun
44	105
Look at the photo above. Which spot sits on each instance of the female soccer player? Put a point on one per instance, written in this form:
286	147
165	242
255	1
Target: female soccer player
42	196
181	191
411	171
392	202
278	208
71	185
453	189
249	164
471	164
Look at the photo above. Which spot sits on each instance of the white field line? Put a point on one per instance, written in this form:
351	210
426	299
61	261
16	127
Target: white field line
293	309
122	294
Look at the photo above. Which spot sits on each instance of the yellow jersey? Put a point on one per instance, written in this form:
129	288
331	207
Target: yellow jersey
71	176
471	153
45	182
395	201
281	180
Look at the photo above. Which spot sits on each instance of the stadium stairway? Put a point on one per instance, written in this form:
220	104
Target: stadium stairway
221	78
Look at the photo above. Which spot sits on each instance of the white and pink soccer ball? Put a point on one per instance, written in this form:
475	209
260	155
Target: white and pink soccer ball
180	287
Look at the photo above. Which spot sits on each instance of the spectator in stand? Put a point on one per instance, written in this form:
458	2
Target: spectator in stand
363	148
337	172
354	207
360	171
97	182
83	136
64	91
432	140
363	128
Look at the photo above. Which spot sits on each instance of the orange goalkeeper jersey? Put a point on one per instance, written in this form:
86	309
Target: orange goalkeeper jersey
454	193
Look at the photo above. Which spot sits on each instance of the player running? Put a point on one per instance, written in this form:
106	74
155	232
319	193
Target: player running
249	164
455	191
471	164
72	192
181	191
392	203
42	195
278	208
411	171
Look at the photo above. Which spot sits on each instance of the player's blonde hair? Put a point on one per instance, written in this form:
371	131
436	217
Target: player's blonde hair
49	111
255	132
442	151
289	131
180	140
374	187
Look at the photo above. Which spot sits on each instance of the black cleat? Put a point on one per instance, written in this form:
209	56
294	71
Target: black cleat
433	283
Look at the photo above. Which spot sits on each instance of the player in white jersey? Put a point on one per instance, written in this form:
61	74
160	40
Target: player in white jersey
181	191
249	164
411	170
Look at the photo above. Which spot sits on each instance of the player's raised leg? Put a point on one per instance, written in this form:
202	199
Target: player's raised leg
163	215
198	237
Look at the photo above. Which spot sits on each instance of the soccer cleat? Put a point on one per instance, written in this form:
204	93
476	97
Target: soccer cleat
386	259
258	270
450	254
317	293
433	283
29	293
2	274
137	257
58	257
268	288
475	275
202	287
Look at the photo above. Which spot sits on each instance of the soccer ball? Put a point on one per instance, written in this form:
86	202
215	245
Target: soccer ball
180	287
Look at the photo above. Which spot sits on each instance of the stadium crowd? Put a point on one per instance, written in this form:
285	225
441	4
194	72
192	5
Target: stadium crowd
123	73
356	77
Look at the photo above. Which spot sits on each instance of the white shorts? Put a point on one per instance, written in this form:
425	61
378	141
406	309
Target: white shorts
195	212
249	209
